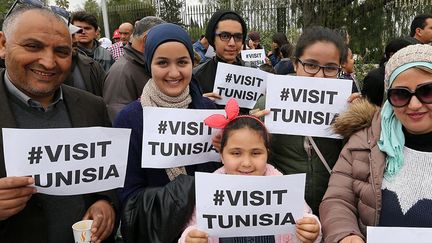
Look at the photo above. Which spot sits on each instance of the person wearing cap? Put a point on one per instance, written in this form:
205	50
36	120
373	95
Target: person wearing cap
105	42
226	32
37	47
116	35
126	78
86	73
123	33
200	47
87	43
383	175
254	40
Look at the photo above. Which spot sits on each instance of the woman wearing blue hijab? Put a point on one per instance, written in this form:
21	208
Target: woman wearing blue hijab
157	203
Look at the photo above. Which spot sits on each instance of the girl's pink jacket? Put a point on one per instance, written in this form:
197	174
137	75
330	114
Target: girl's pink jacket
286	238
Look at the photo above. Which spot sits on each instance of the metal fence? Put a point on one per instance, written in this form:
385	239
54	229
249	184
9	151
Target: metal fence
370	23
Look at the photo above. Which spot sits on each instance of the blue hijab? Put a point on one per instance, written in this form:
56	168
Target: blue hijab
165	33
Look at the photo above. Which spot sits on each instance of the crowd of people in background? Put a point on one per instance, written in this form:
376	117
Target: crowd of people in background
60	74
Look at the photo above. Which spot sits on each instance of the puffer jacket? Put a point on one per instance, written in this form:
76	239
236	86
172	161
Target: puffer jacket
292	154
353	197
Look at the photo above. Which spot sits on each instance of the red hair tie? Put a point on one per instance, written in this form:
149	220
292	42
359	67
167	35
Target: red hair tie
220	121
232	110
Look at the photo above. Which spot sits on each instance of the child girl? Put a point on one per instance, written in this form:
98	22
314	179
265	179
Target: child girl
244	151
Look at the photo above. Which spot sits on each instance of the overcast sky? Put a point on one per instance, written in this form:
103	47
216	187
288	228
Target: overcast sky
76	4
73	4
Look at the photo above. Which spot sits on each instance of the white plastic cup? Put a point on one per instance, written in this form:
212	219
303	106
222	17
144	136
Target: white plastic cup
81	231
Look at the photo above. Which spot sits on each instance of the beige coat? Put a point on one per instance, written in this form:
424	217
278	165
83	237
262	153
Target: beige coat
353	198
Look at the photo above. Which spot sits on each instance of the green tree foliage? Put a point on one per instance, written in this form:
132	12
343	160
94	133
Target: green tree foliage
4	7
120	11
91	6
62	3
119	2
170	11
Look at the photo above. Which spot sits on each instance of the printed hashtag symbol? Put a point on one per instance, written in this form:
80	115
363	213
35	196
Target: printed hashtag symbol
285	94
228	78
162	127
35	155
218	197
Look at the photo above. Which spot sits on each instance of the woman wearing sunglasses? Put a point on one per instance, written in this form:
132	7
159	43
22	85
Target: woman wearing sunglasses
383	175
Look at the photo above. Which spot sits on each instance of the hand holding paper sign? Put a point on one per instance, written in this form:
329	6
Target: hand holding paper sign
196	236
307	229
213	96
103	216
14	194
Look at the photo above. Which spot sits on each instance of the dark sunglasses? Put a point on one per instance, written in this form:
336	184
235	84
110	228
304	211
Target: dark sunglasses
36	3
399	97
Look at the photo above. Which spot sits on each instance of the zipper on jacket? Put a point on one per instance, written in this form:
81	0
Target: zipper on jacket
373	183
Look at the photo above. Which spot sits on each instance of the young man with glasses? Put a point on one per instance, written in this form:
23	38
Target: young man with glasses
226	32
37	47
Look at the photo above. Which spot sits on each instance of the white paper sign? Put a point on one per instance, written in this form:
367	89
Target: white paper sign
256	57
305	105
244	84
177	137
235	205
68	161
398	235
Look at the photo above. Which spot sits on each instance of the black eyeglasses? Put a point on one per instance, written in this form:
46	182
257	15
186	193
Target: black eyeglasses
400	97
313	68
36	3
226	36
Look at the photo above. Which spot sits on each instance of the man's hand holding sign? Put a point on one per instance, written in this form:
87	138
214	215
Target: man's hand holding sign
70	161
14	194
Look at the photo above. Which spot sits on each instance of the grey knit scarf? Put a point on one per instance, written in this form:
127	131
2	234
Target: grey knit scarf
152	96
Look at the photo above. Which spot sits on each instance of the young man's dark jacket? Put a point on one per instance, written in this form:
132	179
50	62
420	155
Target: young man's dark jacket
205	73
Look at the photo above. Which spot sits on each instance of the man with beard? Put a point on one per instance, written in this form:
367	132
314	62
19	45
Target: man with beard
37	47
